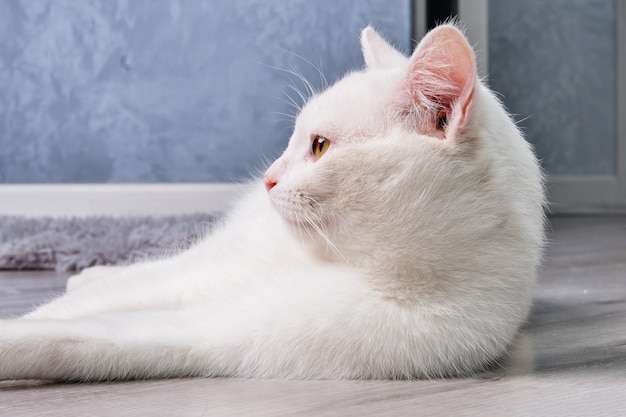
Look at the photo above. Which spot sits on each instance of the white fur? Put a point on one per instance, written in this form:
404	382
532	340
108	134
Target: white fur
399	253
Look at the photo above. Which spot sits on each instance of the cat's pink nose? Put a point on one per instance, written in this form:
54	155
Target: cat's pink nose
269	183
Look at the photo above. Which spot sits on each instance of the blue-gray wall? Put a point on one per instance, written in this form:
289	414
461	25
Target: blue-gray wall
554	63
115	91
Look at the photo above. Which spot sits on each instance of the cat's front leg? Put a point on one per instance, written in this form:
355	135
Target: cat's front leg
149	285
105	347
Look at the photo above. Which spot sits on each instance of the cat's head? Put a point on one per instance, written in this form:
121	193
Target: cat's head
398	156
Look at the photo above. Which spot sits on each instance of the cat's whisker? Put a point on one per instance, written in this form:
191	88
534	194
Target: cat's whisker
287	99
289	71
298	220
293	72
310	89
317	67
520	121
284	119
303	97
319	227
292	102
301	230
287	118
323	79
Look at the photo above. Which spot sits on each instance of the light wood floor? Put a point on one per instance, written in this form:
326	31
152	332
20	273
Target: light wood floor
569	360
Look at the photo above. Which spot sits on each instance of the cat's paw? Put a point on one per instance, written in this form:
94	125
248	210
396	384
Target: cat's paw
88	275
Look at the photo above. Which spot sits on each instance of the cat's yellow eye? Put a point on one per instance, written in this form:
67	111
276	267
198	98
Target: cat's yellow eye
319	146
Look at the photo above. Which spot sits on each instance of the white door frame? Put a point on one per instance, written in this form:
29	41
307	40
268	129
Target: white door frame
620	110
601	193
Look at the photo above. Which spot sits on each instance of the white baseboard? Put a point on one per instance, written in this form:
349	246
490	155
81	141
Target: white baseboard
568	195
586	195
116	199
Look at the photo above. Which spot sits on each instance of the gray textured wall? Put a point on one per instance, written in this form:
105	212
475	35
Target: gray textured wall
165	90
553	61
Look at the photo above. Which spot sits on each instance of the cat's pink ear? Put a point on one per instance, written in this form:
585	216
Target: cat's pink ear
377	52
440	80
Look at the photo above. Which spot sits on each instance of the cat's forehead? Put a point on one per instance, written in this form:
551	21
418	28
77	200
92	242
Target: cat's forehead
356	104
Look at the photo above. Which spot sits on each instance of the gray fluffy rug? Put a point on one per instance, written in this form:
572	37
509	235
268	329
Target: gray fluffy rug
71	244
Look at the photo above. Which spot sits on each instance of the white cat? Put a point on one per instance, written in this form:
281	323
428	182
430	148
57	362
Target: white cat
397	236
